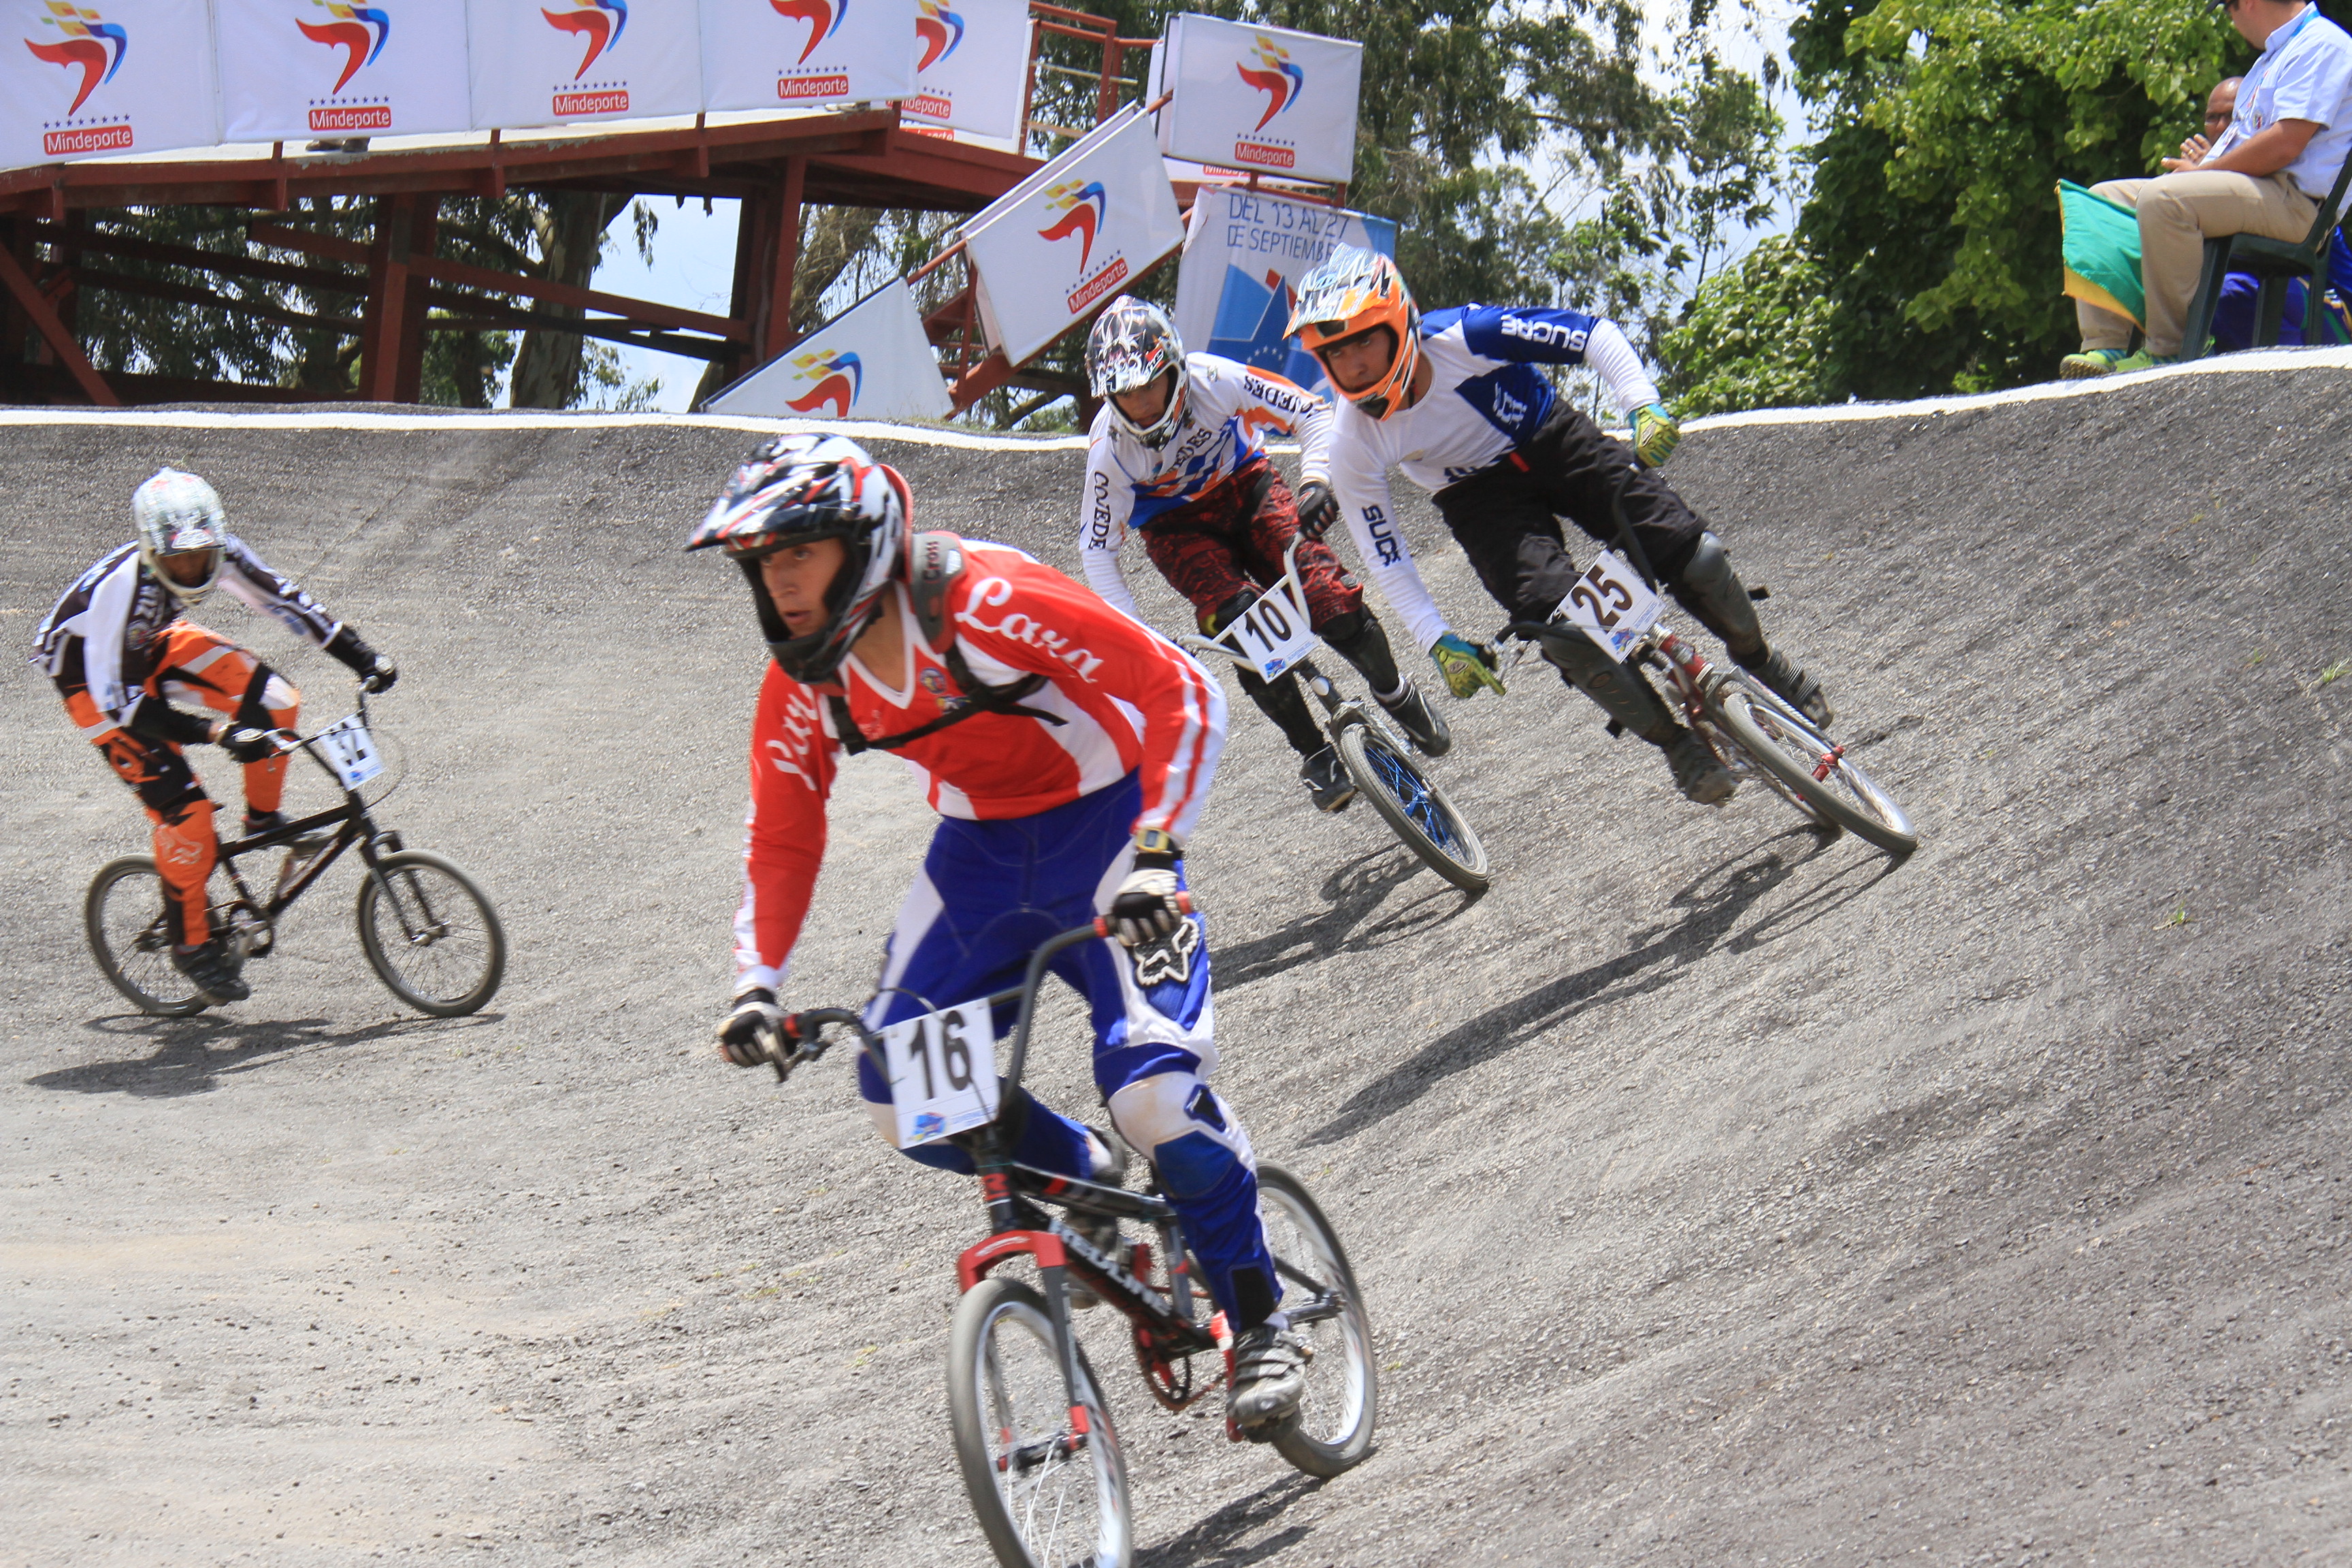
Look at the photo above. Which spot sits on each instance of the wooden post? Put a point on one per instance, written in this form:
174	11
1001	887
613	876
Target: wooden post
43	319
423	232
387	302
772	328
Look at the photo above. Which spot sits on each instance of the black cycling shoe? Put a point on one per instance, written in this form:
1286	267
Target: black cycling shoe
1327	780
1697	773
1793	685
213	972
1420	722
1269	1379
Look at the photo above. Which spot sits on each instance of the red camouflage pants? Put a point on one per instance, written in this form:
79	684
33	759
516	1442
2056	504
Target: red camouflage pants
192	664
1231	540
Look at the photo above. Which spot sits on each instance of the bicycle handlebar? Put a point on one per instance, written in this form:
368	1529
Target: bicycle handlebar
806	1029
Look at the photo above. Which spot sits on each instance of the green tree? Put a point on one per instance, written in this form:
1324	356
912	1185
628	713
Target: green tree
1753	337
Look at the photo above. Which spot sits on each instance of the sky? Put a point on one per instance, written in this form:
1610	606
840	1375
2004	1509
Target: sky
694	253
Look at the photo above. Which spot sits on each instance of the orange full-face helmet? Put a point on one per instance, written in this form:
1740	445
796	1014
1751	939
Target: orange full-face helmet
1353	292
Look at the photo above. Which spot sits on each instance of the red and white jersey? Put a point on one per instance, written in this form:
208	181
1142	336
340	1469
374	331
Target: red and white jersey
1130	701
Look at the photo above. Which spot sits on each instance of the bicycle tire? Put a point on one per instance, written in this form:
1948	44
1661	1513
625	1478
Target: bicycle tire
427	918
982	1419
134	950
1333	1430
1791	748
1415	809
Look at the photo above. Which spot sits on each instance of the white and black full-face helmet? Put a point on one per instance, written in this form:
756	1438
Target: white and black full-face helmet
183	533
796	488
1133	345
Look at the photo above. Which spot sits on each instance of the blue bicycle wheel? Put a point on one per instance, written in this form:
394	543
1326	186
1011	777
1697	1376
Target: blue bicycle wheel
1413	807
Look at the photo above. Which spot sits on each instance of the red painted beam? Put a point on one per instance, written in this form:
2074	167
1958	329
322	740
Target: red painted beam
44	317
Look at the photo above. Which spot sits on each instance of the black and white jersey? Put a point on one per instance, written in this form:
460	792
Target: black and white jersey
103	629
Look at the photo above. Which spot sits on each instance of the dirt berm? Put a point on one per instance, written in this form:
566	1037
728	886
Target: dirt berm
1722	1194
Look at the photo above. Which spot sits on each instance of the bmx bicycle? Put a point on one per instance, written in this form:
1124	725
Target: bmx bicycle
1275	637
427	930
1039	1457
1753	731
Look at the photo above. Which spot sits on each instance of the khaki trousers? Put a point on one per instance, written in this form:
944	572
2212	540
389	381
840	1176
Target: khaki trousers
2177	213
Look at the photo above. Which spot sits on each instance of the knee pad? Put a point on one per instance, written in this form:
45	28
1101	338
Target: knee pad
1708	588
1184	1130
1343	628
1621	693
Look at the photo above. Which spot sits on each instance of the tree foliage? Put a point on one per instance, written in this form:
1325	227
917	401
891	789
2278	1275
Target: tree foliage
1756	336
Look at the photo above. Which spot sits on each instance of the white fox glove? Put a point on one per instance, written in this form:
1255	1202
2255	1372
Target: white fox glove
742	1035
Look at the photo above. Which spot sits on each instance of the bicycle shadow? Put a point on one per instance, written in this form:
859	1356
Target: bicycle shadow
192	1056
1711	902
1354	890
1216	1541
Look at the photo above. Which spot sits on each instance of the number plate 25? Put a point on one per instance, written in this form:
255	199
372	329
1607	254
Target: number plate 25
942	1072
1611	604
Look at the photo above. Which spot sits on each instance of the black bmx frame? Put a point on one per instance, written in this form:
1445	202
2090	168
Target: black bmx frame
352	823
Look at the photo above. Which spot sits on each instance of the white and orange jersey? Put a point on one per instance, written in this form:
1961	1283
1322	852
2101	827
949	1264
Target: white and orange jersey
1130	701
1229	411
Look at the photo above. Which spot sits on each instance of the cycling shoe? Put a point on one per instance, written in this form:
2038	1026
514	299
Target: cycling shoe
212	970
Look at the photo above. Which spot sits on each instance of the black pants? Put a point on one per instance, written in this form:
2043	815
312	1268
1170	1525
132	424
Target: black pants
1507	518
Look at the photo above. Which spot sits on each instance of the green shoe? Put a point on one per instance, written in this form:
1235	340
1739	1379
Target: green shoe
2090	362
2145	360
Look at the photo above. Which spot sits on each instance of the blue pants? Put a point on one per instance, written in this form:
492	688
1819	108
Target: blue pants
989	894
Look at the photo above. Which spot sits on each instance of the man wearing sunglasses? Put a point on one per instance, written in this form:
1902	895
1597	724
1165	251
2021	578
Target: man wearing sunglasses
2265	174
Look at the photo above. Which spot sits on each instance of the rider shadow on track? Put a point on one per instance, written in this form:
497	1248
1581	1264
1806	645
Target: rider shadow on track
191	1056
1354	890
1712	903
1217	1540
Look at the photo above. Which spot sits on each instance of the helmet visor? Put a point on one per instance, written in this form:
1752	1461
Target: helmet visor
191	568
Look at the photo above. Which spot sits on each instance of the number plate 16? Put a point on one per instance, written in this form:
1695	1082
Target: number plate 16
942	1072
1273	633
1611	604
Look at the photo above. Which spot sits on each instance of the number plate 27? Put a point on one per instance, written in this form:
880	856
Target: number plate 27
942	1072
1611	604
352	751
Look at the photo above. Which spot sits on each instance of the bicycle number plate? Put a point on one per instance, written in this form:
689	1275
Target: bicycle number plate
352	751
1611	604
942	1072
1273	634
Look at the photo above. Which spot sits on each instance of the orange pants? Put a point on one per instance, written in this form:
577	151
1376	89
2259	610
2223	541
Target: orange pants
192	664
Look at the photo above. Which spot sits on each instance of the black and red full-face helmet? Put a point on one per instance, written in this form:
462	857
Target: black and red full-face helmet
797	489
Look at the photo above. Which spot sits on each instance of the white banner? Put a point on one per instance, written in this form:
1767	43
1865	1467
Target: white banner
766	53
1062	241
1258	98
300	68
871	362
1243	260
550	62
121	76
972	61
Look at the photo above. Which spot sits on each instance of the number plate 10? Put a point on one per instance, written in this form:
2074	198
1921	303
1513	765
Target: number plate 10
942	1072
1611	604
1273	633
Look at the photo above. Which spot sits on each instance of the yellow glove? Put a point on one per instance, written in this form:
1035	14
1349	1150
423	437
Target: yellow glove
1655	434
1465	665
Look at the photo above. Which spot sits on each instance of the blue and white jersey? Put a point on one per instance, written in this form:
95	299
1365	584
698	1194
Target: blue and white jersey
1229	408
1486	398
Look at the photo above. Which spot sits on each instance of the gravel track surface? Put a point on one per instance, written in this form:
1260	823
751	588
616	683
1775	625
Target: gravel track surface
1721	1192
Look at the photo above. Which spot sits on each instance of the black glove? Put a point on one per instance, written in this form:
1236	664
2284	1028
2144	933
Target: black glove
745	1035
376	672
1318	508
1146	907
1226	613
247	745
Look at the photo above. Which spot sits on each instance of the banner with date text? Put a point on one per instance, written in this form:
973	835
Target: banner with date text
1244	257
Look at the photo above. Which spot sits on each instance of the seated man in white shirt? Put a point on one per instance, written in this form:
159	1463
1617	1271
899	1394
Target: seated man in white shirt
2266	176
